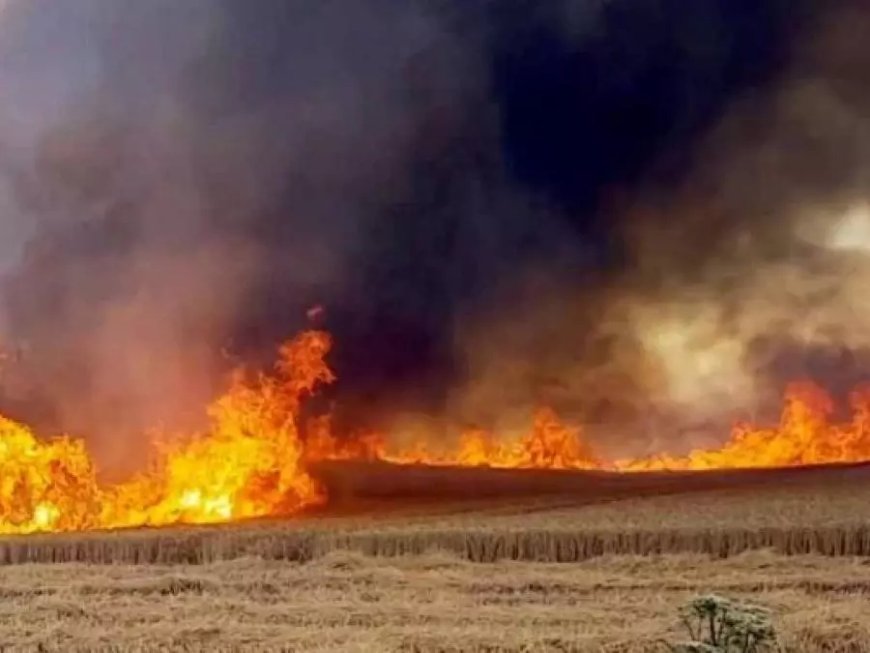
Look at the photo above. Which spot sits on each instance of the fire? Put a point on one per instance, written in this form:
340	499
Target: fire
251	461
550	444
805	435
248	464
44	485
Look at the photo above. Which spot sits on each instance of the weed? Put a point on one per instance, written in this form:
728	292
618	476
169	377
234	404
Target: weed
719	625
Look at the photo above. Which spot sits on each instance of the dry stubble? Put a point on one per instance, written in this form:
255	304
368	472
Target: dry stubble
435	602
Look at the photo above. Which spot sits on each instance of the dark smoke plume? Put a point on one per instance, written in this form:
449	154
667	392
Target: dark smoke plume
206	173
616	207
744	259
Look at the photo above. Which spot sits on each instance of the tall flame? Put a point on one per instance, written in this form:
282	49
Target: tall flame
45	486
248	464
251	461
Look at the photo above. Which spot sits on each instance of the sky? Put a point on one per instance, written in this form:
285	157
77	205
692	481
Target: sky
497	204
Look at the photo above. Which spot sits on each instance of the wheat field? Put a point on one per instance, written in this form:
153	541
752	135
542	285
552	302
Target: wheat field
828	513
483	574
429	603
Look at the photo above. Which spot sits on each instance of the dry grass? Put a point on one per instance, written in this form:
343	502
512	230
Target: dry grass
305	585
433	602
829	518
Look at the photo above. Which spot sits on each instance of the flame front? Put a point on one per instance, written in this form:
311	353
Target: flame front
45	486
805	435
550	444
248	464
251	461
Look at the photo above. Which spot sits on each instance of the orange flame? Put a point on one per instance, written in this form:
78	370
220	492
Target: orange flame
550	444
44	486
804	436
251	461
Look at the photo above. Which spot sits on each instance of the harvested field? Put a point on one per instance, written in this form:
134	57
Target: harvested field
391	573
429	603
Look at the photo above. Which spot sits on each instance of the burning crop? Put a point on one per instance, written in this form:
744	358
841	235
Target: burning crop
247	465
251	461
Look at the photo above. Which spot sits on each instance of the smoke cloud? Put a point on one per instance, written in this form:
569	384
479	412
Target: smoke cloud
744	275
185	180
645	214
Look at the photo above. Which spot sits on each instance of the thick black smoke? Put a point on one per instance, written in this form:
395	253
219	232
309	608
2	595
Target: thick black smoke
745	249
473	193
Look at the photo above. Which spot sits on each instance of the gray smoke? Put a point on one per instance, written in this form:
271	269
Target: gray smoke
165	165
749	275
180	181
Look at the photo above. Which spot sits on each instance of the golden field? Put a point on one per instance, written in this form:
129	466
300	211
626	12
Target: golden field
591	568
433	602
516	515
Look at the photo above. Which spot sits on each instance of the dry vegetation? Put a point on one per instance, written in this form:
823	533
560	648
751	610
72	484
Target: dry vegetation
348	602
827	514
305	585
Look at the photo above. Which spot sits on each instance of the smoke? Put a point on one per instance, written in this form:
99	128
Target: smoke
644	214
745	275
777	208
182	181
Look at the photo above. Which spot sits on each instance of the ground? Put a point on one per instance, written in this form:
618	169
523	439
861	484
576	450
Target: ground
459	576
435	602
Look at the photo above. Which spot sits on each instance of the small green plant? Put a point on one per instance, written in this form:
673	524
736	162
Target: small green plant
719	625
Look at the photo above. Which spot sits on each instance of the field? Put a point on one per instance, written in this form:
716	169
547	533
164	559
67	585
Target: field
433	602
388	567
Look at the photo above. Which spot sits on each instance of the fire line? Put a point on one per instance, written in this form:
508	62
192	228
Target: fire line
251	461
